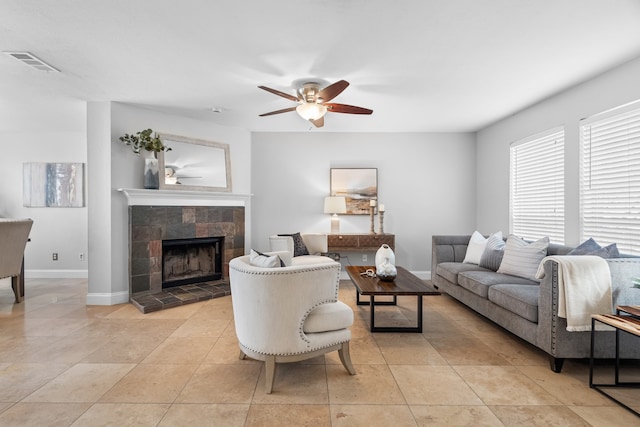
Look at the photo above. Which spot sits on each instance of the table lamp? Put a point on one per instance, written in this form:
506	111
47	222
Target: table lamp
335	205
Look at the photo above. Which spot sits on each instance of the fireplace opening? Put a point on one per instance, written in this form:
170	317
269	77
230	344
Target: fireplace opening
186	261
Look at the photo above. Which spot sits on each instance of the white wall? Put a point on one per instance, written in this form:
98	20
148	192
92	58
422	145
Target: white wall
125	170
425	180
44	129
611	89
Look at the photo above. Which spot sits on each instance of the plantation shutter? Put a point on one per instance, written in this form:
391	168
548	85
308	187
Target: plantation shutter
537	186
610	178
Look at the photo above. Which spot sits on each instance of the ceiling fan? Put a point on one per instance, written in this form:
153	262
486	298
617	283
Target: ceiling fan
313	102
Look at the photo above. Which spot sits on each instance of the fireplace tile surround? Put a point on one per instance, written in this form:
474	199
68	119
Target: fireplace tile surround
150	224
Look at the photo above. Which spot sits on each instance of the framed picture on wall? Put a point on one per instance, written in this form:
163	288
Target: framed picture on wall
53	185
357	185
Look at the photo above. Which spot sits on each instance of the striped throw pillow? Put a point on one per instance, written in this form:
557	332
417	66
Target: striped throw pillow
493	252
521	258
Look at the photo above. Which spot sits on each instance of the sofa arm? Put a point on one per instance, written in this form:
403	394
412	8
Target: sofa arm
550	328
447	248
623	271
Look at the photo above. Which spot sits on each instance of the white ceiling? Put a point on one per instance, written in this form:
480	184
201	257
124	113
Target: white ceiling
421	65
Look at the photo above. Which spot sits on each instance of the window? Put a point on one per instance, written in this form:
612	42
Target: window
610	178
537	186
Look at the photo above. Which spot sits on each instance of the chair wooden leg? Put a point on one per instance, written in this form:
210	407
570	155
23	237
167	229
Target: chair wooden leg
18	290
17	283
242	356
270	364
345	358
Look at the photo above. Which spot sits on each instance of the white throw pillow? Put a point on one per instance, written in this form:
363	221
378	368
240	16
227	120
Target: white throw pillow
476	246
521	258
258	259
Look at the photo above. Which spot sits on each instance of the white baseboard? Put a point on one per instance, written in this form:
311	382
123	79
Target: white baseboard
108	299
56	274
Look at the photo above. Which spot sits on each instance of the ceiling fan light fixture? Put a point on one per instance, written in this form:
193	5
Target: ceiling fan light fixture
311	110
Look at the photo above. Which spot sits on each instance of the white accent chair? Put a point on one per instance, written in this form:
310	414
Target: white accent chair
289	314
14	235
316	243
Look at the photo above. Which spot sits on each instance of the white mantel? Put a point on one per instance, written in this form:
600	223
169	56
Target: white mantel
140	197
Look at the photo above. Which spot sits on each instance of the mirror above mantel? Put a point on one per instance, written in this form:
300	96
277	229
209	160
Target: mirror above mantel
194	164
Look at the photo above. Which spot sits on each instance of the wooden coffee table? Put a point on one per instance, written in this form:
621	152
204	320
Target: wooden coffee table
405	284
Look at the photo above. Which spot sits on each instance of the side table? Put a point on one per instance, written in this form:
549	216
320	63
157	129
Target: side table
626	319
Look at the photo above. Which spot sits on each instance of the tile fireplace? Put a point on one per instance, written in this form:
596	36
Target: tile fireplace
181	254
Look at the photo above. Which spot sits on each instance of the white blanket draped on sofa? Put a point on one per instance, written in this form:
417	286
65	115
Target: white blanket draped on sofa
584	288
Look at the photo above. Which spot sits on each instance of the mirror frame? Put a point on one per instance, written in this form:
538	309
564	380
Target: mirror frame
167	139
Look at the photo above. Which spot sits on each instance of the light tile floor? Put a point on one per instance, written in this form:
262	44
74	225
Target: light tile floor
63	363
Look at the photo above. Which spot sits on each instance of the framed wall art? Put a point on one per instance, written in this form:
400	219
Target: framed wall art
53	185
357	185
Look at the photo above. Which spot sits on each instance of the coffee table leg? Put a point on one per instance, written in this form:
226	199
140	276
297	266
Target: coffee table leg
372	304
417	328
419	297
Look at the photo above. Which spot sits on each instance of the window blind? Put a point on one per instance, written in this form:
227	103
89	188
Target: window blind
537	186
610	178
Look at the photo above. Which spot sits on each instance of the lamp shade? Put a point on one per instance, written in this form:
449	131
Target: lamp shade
335	204
311	110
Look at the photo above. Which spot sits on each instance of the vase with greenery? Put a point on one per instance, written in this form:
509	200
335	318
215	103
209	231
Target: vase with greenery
144	140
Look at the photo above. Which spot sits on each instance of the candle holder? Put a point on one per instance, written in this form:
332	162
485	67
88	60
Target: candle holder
371	210
381	213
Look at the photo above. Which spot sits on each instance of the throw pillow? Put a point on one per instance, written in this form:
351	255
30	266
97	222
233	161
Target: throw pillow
585	247
259	259
476	246
521	258
299	248
591	247
493	252
612	251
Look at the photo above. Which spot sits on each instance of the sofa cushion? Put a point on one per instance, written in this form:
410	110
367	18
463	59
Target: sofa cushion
519	299
310	259
479	282
522	258
450	270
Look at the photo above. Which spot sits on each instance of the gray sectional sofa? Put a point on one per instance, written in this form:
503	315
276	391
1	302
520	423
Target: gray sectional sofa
528	308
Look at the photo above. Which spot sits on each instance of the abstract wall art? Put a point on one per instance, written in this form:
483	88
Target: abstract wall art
53	185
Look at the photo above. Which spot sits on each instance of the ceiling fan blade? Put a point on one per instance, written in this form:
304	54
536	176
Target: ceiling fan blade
333	90
349	109
284	110
282	94
318	122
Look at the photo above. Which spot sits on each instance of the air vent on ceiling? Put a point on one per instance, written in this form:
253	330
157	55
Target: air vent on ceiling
32	61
